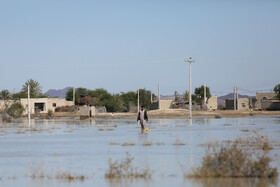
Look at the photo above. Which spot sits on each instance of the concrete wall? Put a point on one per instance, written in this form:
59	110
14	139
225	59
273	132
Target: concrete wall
270	105
153	106
229	104
49	104
212	103
87	111
264	96
165	104
243	104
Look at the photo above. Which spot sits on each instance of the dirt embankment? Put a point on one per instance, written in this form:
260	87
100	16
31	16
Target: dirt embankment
182	113
171	113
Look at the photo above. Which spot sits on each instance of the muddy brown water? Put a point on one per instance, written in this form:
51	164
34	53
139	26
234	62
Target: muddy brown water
34	154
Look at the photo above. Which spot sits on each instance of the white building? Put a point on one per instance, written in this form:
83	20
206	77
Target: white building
41	105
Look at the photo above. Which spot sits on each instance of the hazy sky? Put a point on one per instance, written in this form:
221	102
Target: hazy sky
123	45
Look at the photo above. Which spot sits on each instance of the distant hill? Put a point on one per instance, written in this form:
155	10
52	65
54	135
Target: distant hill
61	93
167	97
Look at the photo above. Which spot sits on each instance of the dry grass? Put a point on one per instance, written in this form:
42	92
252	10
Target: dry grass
160	143
253	140
69	177
129	143
178	141
211	143
114	143
232	159
40	172
119	170
227	124
245	130
147	142
105	129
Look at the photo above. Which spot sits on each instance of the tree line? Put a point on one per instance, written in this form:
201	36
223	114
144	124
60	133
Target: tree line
121	102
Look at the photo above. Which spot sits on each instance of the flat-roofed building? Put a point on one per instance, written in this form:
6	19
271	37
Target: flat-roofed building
212	103
241	104
42	105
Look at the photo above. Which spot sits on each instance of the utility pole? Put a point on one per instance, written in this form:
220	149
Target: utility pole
28	96
190	60
236	97
205	94
73	95
138	103
158	97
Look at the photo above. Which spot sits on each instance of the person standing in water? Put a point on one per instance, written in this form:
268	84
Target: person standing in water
142	117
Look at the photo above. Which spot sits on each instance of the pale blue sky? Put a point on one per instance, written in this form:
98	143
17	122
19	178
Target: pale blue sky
123	45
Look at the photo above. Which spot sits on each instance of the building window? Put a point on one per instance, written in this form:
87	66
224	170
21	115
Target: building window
243	105
39	107
54	104
264	98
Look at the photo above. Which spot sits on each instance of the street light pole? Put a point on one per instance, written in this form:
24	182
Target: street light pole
190	60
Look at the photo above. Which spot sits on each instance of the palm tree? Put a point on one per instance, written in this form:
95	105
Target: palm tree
5	95
35	88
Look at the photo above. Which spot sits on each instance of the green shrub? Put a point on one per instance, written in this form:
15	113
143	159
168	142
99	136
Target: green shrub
66	108
50	114
16	110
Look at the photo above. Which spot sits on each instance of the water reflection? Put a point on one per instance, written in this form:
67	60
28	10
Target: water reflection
128	182
83	146
221	182
191	143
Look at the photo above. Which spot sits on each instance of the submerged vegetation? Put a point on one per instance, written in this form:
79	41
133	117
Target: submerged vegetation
129	143
237	159
252	140
40	172
124	169
179	141
147	142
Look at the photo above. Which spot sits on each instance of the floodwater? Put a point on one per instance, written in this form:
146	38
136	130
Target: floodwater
83	148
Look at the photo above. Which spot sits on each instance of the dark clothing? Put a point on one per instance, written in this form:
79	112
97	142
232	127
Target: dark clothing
145	116
142	117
